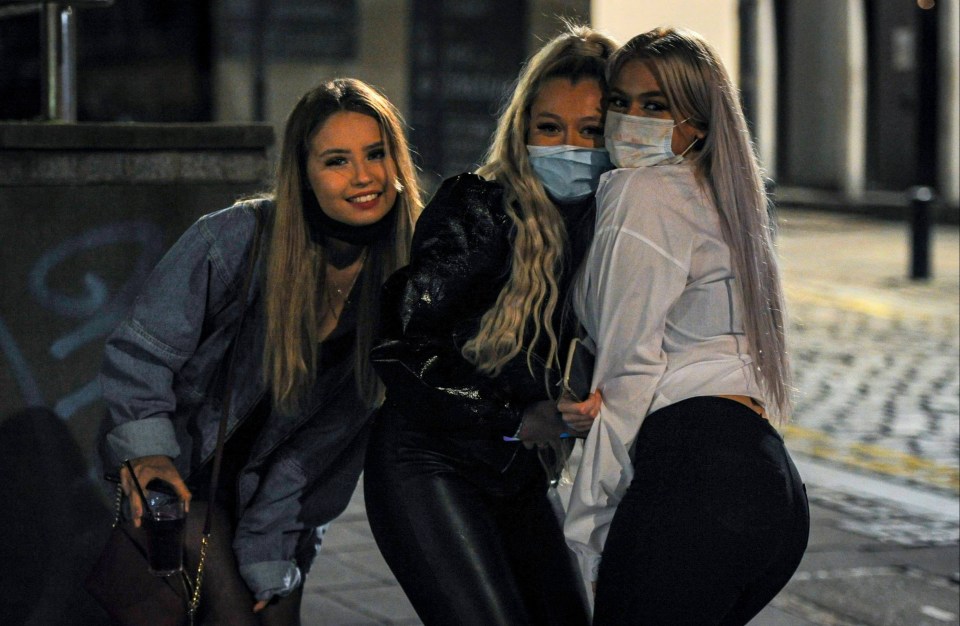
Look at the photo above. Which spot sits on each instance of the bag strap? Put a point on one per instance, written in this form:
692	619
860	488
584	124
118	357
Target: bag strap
222	427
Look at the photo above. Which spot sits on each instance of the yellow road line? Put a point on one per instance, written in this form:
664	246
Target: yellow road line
871	458
857	304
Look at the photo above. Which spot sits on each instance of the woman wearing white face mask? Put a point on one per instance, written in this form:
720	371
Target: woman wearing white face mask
685	488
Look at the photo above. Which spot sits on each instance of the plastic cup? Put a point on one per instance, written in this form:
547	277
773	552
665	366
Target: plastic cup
164	525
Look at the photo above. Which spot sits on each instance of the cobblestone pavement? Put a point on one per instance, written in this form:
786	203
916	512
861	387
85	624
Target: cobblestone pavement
876	355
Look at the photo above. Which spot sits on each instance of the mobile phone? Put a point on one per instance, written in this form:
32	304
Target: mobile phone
578	370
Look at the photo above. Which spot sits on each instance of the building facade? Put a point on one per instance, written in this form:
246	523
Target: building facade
852	101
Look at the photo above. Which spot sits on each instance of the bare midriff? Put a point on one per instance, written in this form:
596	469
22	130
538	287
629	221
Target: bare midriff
748	402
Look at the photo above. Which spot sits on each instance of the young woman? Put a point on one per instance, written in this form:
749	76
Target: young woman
472	329
685	488
338	222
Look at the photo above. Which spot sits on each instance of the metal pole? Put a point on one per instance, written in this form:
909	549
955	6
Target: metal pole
921	201
67	97
59	36
50	36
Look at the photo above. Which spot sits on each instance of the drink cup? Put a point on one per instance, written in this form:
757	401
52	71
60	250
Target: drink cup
164	526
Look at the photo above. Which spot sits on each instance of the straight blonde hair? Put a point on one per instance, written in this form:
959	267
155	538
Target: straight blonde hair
296	266
531	294
689	72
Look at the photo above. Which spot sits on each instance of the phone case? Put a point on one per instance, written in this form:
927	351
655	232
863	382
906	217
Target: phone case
578	370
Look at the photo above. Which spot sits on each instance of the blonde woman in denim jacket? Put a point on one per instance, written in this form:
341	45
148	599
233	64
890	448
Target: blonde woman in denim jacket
338	222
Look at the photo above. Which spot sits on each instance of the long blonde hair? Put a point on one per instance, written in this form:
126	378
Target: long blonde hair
689	72
296	266
531	294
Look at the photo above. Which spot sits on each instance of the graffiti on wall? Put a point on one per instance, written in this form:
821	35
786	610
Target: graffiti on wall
94	308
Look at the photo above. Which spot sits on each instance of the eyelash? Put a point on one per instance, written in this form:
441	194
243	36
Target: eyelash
587	130
618	102
374	155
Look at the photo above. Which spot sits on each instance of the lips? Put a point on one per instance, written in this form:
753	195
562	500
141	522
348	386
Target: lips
365	200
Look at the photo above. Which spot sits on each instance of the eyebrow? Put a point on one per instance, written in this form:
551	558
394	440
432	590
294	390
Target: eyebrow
556	117
340	151
645	94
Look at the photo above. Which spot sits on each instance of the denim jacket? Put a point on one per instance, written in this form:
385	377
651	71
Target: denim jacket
162	378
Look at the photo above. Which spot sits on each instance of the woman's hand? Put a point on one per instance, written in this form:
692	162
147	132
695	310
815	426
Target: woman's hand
541	424
579	416
259	606
146	469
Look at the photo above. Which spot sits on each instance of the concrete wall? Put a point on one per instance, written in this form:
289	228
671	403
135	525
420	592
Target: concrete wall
86	210
814	130
716	20
949	71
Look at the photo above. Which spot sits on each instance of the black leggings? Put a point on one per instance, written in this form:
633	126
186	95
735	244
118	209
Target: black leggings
467	529
225	598
713	525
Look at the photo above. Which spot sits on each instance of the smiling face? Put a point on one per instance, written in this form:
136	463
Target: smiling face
351	170
634	91
564	113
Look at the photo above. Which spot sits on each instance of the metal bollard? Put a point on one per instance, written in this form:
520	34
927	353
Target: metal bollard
921	204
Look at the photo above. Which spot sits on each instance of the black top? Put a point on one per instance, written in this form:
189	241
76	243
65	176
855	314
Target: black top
460	261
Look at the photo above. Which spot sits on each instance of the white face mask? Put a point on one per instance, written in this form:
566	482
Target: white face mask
635	141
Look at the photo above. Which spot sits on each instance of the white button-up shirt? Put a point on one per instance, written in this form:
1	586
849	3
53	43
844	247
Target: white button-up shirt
659	299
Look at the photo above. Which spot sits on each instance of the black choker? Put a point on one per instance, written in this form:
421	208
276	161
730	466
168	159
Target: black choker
321	225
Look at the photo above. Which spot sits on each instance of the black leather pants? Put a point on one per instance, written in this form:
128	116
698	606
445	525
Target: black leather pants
467	529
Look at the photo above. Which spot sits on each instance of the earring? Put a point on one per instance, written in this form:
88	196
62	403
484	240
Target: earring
398	185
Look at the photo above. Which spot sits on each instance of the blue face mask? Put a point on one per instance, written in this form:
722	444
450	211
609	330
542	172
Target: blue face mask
569	173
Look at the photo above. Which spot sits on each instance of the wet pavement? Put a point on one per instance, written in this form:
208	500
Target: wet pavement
874	434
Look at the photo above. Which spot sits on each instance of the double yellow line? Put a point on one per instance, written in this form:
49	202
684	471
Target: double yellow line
871	458
855	303
861	455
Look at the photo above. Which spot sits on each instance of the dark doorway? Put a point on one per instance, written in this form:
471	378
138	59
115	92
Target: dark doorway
464	58
902	95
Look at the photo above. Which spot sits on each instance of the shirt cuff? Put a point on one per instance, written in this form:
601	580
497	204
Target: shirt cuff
589	566
271	578
145	437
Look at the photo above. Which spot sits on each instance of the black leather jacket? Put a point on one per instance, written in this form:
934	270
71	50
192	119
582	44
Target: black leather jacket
460	260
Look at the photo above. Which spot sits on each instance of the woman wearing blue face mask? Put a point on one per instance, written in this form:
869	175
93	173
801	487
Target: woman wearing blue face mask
471	336
686	508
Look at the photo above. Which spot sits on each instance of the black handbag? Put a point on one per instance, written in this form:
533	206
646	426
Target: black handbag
120	580
129	593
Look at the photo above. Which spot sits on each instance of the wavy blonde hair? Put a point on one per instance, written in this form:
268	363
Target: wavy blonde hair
531	293
296	266
689	72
